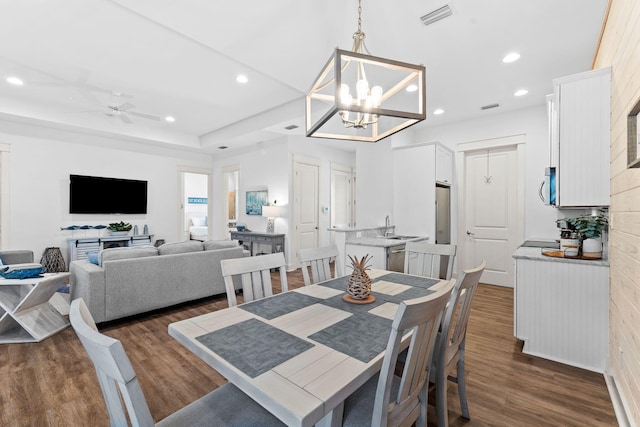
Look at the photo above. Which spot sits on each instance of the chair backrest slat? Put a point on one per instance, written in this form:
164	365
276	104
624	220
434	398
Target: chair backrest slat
256	276
456	318
426	259
318	260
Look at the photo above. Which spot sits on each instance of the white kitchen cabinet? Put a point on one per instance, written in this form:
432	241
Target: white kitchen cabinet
415	168
444	165
580	135
561	308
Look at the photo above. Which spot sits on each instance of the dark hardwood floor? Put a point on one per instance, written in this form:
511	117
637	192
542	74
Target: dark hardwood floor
53	383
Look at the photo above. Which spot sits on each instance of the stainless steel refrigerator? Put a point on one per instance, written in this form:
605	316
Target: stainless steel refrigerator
443	215
443	222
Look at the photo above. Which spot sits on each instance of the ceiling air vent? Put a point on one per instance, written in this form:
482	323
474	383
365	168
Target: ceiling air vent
490	106
436	15
291	127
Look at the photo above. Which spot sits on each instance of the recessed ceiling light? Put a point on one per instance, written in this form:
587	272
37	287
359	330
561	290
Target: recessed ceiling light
511	57
411	88
170	119
241	78
15	81
438	111
521	92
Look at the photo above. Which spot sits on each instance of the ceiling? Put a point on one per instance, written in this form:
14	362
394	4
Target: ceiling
182	58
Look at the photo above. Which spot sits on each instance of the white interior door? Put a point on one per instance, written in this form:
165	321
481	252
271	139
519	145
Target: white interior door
305	205
341	196
492	211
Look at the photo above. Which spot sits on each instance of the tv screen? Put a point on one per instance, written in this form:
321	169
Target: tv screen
98	195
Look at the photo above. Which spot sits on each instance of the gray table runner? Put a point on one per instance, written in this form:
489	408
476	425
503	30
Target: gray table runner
270	308
254	353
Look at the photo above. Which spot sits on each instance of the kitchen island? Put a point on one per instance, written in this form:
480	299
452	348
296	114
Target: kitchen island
561	308
386	248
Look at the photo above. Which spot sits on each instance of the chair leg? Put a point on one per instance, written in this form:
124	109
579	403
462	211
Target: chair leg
462	386
441	399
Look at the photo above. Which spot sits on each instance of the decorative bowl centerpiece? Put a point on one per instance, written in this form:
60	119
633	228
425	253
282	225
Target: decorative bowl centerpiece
119	228
359	284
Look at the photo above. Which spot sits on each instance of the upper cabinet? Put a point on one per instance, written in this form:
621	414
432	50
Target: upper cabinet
417	168
444	165
579	119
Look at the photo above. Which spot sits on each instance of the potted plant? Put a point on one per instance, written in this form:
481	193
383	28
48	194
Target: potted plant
590	228
119	228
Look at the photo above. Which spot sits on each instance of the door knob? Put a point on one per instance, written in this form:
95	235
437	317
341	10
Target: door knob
470	233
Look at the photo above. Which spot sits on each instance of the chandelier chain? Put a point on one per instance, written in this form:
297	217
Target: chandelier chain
359	16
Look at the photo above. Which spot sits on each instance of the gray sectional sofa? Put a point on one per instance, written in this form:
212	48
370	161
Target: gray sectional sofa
135	280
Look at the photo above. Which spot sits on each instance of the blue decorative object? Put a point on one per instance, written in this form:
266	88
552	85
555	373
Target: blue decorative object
145	230
93	257
197	200
83	227
10	272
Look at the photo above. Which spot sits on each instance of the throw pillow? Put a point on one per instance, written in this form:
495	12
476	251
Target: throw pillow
93	257
198	221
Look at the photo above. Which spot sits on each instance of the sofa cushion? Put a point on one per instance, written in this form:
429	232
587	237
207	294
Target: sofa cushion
126	253
210	245
180	247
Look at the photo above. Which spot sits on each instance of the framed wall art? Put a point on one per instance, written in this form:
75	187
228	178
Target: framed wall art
633	137
255	200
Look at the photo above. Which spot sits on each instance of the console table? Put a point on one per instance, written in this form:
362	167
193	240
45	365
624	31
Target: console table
250	238
25	312
79	247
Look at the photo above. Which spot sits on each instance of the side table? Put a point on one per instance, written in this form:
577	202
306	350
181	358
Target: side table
276	241
25	312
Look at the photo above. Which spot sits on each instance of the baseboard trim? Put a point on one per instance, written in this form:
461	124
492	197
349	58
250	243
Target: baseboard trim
618	402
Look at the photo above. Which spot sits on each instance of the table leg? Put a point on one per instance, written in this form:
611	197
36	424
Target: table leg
333	418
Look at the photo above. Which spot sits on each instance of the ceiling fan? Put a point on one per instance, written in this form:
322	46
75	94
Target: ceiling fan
122	112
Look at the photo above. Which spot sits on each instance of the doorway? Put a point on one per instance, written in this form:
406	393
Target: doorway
491	206
195	202
231	177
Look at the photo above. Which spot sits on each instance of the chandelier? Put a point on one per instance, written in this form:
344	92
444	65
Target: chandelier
361	97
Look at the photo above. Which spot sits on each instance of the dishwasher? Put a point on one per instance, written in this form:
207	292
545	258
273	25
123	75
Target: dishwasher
395	258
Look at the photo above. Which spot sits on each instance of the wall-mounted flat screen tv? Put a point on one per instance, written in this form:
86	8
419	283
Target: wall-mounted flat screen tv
98	195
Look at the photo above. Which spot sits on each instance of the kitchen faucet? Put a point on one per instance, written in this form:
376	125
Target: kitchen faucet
387	224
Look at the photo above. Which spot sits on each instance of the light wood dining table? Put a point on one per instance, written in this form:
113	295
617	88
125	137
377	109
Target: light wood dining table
301	353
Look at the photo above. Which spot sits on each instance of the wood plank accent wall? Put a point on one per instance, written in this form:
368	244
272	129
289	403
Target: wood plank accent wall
620	49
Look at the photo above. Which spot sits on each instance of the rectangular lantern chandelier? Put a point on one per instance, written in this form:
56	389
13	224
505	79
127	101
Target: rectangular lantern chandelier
360	97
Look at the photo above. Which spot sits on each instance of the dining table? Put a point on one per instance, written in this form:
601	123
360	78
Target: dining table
301	353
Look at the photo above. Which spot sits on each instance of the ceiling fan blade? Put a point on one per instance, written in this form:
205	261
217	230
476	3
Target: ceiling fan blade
144	116
125	119
126	106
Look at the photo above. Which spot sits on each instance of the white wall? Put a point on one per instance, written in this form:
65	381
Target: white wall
269	165
41	160
374	183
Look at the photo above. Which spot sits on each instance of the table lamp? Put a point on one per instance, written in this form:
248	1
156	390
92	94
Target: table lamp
270	212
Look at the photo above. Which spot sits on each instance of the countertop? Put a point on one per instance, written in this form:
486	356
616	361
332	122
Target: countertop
381	242
536	255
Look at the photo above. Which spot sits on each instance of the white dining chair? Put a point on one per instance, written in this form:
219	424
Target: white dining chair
255	272
429	259
225	406
400	401
450	348
319	261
